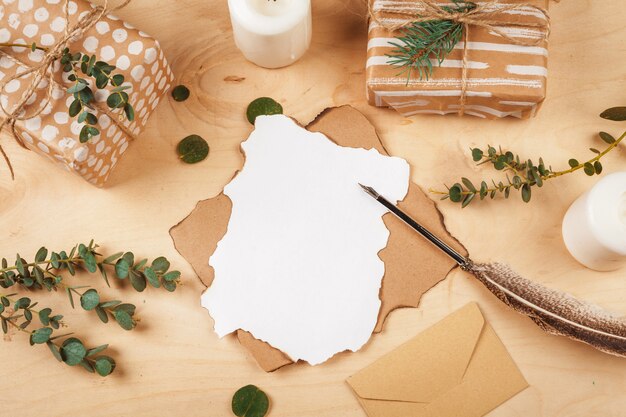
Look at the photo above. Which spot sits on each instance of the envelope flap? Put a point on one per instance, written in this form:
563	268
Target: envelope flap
426	366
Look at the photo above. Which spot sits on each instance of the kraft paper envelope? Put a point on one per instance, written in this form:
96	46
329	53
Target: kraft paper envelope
458	367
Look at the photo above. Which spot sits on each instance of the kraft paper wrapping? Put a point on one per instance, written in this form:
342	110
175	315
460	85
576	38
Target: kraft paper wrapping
503	79
53	133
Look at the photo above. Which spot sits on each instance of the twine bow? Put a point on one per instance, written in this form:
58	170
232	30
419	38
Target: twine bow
490	15
43	72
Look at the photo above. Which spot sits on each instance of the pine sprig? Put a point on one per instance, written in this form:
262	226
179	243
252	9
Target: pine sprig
523	174
46	272
421	43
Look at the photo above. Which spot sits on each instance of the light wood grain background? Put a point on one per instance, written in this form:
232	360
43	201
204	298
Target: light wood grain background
173	363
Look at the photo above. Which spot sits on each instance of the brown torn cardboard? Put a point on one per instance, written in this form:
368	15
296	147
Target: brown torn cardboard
459	366
412	265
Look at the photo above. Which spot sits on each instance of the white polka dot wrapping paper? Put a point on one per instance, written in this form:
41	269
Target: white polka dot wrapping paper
53	133
505	77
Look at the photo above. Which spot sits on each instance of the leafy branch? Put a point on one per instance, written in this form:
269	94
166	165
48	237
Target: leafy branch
420	42
70	351
77	65
524	174
46	272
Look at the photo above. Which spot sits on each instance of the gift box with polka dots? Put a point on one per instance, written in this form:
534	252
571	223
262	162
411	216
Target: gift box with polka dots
53	132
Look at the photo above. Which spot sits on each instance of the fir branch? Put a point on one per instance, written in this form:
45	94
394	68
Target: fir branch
421	43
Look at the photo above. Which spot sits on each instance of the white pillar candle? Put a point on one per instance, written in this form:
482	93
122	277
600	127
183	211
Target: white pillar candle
271	33
594	227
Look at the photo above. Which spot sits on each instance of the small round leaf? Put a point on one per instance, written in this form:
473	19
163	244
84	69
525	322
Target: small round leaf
90	300
41	336
124	320
104	365
262	106
180	93
193	149
456	193
250	401
73	351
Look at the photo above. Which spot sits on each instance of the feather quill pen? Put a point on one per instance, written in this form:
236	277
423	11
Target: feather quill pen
554	311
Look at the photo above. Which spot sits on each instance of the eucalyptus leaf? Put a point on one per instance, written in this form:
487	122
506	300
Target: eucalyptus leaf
614	113
124	319
250	401
180	93
262	106
73	351
89	300
104	365
192	149
161	264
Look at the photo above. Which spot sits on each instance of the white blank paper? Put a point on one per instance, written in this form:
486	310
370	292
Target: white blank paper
299	267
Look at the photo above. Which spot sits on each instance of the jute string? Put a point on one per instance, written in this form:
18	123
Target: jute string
491	16
43	72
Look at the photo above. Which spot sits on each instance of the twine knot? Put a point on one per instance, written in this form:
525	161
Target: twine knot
43	72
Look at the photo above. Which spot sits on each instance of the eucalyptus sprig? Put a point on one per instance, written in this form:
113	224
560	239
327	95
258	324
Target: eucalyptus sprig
524	174
69	350
46	273
78	65
420	42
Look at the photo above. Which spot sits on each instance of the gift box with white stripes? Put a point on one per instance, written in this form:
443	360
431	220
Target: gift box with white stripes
495	67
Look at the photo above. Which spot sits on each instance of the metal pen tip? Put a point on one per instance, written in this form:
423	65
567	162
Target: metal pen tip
370	191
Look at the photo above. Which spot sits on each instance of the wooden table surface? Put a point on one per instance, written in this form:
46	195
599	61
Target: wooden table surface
174	364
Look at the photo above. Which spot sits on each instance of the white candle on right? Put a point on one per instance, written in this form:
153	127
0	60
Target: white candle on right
594	227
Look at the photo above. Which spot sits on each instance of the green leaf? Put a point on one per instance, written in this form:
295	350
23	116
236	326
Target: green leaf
69	295
573	163
76	88
96	350
468	199
73	351
90	300
617	114
41	255
180	93
169	285
171	276
124	319
5	301
41	336
130	112
114	101
90	262
192	149
112	258
137	280
468	184
55	351
84	135
22	303
54	258
1	308
250	401
477	154
607	137
589	169
526	193
102	314
597	166
456	193
262	106
5	327
129	308
104	365
44	316
117	80
152	277
111	303
161	264
19	264
87	366
121	268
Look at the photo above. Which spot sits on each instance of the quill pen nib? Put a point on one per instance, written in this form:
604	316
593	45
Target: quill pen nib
460	259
